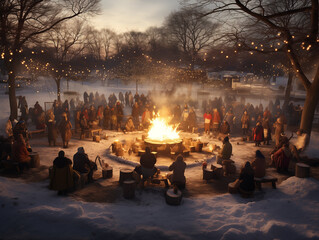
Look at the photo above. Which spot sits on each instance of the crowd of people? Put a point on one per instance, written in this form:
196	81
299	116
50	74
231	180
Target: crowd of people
221	118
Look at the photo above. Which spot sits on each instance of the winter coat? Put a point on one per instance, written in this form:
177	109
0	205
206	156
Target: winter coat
135	111
207	118
259	166
148	160
247	181
62	178
129	126
178	167
245	121
65	130
282	158
226	151
216	118
81	162
19	152
225	128
191	119
267	129
52	130
258	133
62	174
279	129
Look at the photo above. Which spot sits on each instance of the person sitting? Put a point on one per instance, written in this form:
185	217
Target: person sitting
281	158
178	167
82	163
147	161
225	152
129	126
259	165
246	179
20	153
62	174
245	183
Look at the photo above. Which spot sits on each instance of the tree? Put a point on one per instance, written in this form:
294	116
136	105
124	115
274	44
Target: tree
190	32
25	21
294	25
66	40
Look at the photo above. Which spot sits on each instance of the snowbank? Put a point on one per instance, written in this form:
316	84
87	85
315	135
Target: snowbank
31	211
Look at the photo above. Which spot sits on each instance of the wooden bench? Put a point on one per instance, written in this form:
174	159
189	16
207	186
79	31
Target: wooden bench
94	131
266	179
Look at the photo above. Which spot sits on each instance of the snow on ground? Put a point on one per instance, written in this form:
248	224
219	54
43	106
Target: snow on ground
31	211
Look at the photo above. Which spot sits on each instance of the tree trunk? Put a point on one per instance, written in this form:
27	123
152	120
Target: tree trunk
288	89
310	105
58	87
12	95
308	111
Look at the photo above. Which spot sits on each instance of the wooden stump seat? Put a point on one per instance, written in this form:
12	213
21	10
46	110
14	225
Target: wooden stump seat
218	170
173	198
266	179
302	170
35	160
129	189
208	174
96	138
107	172
126	174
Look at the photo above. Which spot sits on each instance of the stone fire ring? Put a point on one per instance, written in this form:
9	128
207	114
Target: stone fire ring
158	142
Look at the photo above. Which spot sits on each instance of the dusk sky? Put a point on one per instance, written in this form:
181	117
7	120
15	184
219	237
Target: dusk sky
126	15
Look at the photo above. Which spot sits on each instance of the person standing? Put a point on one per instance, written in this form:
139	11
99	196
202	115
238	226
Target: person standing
215	121
245	123
65	130
258	134
279	129
20	153
207	121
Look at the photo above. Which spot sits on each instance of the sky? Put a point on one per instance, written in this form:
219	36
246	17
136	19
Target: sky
126	15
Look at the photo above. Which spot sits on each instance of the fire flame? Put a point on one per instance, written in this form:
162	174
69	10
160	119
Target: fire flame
160	130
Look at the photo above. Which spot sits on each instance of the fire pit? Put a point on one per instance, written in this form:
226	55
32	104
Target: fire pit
162	135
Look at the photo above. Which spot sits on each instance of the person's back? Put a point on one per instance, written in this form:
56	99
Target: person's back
178	167
247	178
226	150
81	162
148	160
62	174
259	165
